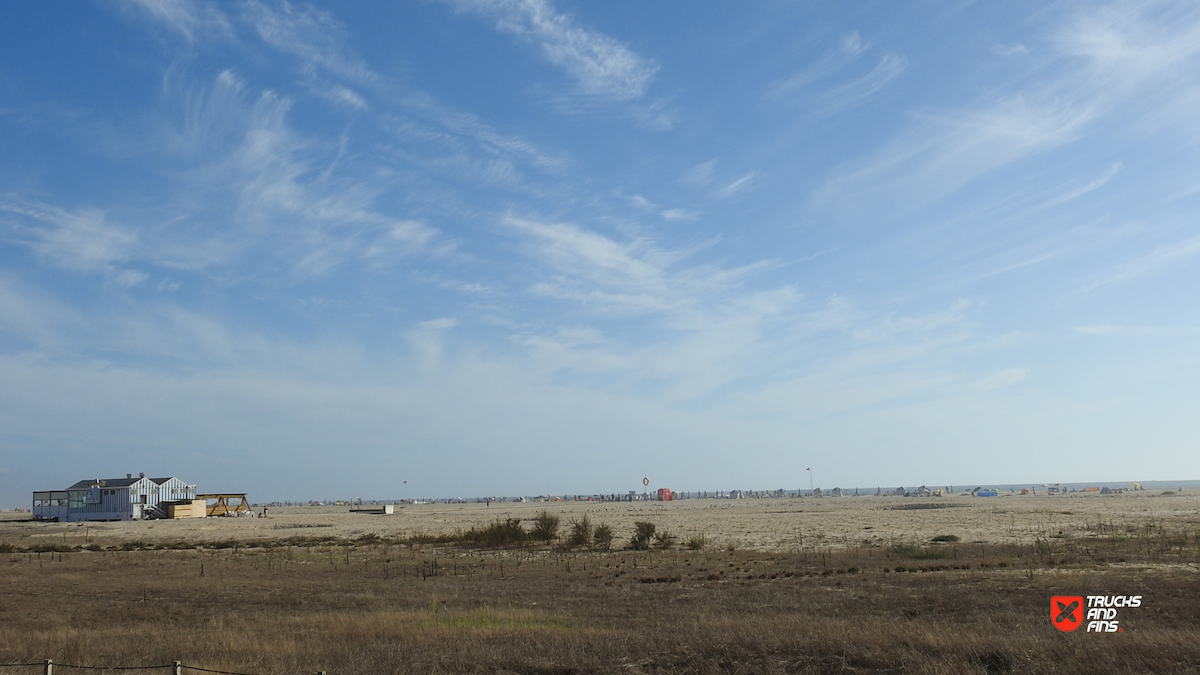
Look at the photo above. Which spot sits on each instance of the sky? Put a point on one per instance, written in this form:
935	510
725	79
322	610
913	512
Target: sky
503	247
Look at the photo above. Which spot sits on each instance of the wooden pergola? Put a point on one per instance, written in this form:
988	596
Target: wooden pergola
234	503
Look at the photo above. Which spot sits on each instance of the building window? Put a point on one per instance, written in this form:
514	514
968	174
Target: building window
75	499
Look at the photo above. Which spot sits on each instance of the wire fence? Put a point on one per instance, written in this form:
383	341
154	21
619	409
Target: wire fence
48	666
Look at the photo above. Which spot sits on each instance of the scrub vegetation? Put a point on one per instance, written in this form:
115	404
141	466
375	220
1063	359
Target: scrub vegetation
496	599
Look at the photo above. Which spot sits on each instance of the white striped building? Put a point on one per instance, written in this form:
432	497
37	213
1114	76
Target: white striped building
128	498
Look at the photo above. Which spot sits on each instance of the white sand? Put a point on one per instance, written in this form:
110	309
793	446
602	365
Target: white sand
762	524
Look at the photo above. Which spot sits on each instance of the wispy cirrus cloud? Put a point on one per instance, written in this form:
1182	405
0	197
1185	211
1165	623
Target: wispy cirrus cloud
255	186
849	49
331	70
319	43
944	153
594	269
668	214
81	240
714	325
842	93
1099	66
890	66
1162	258
37	317
736	186
599	64
1118	330
192	19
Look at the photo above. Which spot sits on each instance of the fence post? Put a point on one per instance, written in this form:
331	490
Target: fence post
48	667
178	668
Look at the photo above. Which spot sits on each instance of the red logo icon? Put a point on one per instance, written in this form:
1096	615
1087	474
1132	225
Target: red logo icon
1066	612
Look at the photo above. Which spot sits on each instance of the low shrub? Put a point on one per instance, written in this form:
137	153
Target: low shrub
498	534
545	527
581	532
602	537
664	540
643	535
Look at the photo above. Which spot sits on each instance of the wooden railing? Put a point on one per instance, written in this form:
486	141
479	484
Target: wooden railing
176	667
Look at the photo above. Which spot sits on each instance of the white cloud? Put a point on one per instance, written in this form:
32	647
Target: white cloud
600	65
1000	379
851	93
333	72
678	214
1117	330
736	186
699	175
892	326
582	254
943	153
191	18
297	198
36	316
849	49
427	341
312	36
1163	257
671	215
130	278
80	240
1107	61
1015	49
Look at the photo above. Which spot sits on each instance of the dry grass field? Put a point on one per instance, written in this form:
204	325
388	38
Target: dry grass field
767	586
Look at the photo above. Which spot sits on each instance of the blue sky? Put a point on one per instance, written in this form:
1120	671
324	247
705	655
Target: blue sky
524	246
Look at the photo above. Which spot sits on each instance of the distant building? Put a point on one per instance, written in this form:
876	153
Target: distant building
128	498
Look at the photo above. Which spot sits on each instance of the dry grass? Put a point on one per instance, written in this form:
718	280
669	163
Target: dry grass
378	606
362	595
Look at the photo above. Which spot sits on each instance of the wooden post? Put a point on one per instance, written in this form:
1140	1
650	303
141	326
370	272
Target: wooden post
178	668
48	667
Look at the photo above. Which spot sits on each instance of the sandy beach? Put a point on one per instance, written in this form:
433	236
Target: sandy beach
768	524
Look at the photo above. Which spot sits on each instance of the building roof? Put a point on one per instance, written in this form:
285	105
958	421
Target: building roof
109	483
104	483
